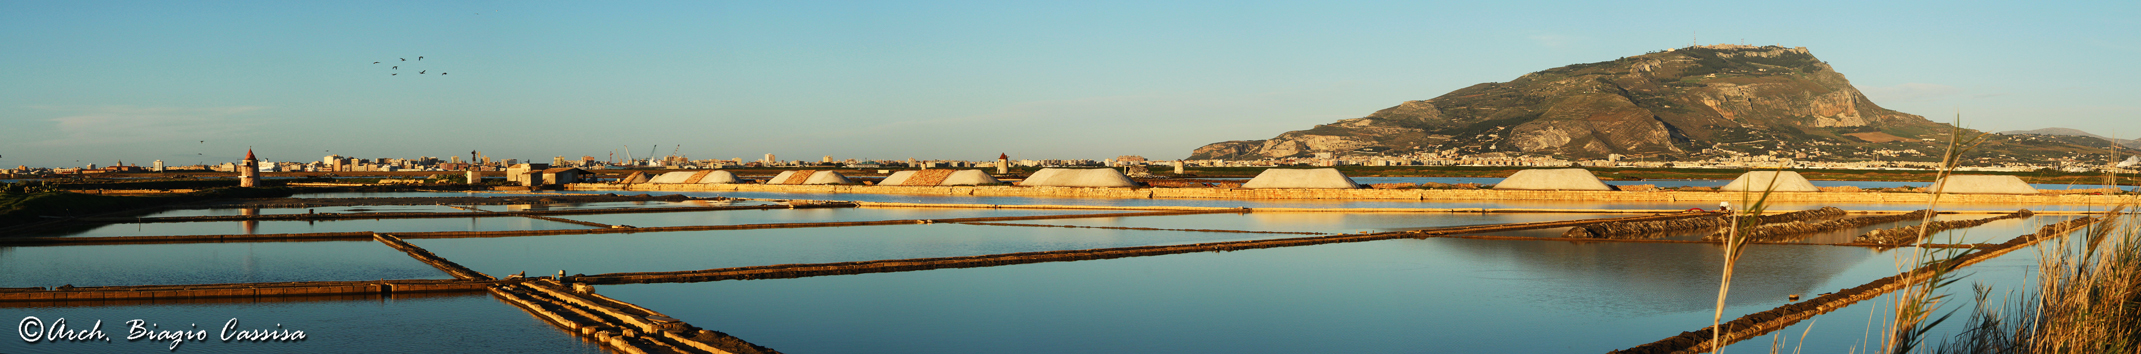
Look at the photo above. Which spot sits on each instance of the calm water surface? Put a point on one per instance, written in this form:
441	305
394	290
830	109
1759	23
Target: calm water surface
1319	222
674	251
765	216
1434	295
509	223
206	263
399	324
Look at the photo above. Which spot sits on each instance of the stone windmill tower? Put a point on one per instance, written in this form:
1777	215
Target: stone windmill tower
249	171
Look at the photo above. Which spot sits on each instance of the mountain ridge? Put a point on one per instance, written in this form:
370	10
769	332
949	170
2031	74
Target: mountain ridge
1679	104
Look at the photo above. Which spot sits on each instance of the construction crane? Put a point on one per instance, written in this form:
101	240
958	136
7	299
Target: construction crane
628	154
673	151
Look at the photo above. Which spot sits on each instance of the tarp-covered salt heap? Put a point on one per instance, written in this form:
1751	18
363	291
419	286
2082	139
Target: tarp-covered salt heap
694	177
1067	177
1758	181
1563	179
634	178
1981	184
1326	178
800	177
939	178
674	177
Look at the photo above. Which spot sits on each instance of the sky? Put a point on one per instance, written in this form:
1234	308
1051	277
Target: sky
200	82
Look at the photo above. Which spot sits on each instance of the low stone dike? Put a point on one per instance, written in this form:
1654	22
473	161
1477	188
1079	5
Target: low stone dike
1146	228
1760	323
367	235
906	265
488	200
1370	194
1791	231
1662	228
422	255
1910	234
619	326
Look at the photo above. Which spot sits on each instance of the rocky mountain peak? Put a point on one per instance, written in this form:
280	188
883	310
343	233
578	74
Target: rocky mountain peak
1675	103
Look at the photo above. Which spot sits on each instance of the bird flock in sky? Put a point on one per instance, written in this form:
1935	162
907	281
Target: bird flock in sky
396	66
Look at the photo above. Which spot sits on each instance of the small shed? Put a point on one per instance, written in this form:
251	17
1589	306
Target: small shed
565	175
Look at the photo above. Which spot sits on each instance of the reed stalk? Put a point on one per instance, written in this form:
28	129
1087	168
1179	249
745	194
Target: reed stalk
1735	246
1916	301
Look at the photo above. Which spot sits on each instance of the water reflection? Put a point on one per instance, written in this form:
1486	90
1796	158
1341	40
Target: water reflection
365	324
674	251
1320	222
296	226
1434	295
763	216
206	263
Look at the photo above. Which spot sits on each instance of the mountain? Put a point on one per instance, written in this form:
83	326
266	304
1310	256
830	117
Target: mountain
2075	132
1685	103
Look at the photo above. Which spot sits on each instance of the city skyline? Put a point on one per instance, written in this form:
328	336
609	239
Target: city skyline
192	83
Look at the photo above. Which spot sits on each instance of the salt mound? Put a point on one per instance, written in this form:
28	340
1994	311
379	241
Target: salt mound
1301	178
939	178
1757	181
808	177
718	177
677	177
1565	179
1982	184
1066	177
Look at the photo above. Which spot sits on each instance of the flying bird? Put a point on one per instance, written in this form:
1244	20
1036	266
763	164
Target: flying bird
404	59
375	62
419	58
442	73
397	67
394	74
421	72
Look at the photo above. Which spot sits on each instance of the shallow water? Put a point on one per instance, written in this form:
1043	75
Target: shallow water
695	250
319	209
408	194
1320	222
1862	325
764	216
627	205
365	324
206	263
1434	295
507	223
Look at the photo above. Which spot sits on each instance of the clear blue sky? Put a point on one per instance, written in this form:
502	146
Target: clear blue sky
139	81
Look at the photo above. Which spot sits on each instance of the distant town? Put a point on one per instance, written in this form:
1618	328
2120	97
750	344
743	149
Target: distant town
479	162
